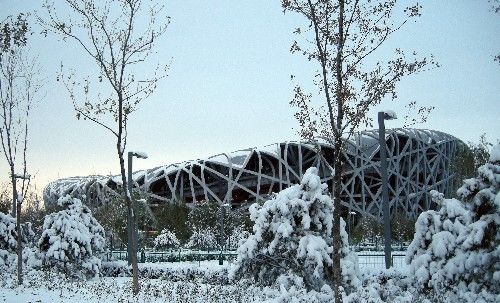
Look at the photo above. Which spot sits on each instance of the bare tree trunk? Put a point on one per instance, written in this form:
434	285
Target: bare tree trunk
13	181
337	189
120	146
133	241
19	244
337	270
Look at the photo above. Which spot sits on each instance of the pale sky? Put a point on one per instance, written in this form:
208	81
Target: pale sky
229	85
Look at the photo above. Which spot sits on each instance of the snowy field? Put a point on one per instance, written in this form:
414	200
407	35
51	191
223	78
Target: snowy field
43	287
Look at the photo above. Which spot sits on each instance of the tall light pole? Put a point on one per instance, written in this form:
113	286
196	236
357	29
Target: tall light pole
382	116
221	237
351	213
18	228
131	222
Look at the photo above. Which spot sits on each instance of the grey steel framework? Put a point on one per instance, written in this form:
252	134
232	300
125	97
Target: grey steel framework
418	161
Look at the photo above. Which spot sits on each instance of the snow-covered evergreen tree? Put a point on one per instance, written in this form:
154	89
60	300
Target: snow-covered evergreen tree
166	240
203	239
71	239
8	240
292	234
459	244
237	236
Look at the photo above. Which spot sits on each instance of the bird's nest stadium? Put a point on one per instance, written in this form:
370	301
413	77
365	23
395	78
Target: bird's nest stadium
418	161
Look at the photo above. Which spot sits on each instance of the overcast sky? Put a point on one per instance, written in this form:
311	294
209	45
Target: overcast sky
229	84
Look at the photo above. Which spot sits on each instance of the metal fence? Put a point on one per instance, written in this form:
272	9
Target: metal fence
365	260
378	260
171	256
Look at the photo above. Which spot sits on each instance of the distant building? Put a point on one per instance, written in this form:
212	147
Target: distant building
418	161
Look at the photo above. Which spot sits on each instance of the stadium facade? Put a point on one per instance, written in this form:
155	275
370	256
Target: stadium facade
418	161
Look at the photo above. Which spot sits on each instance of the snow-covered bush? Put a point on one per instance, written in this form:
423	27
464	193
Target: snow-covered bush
458	246
203	239
8	240
184	271
383	286
71	239
292	234
166	240
237	236
29	237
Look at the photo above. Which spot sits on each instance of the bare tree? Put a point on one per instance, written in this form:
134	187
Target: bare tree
495	7
18	87
119	37
340	36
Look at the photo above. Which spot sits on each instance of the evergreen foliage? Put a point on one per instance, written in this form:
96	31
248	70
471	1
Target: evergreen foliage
459	244
173	216
166	240
292	234
71	240
8	240
203	239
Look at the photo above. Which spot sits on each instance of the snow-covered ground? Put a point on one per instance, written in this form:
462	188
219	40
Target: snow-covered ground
199	282
45	287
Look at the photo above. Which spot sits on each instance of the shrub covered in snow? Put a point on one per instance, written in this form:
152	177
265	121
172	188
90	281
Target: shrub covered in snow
166	240
203	239
397	286
71	239
292	234
8	243
458	246
208	272
237	236
8	240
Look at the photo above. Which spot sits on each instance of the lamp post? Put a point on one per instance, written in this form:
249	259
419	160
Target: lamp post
351	213
131	222
18	227
382	116
221	237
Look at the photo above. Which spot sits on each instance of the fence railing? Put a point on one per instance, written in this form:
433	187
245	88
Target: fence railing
365	260
378	260
401	246
171	256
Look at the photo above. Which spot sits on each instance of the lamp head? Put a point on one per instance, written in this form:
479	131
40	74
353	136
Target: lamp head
140	155
389	115
24	177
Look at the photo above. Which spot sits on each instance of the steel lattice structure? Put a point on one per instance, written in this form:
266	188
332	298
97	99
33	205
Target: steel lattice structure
418	161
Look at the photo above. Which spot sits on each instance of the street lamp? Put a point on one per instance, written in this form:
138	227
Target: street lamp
131	224
351	213
141	244
18	202
382	116
221	237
